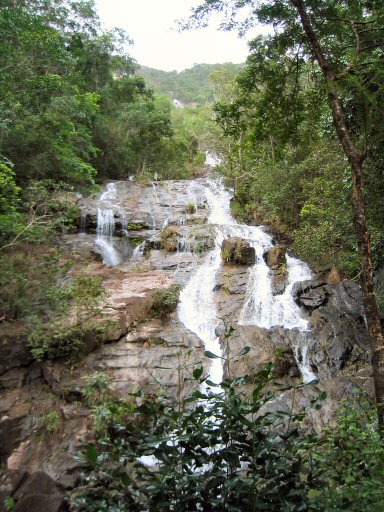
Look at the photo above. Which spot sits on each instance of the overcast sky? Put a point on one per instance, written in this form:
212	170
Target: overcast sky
151	24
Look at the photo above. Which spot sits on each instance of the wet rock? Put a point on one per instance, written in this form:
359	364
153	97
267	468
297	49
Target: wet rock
169	238
11	434
39	502
37	483
10	482
267	345
237	251
337	325
275	257
153	243
310	294
13	378
230	290
14	350
279	282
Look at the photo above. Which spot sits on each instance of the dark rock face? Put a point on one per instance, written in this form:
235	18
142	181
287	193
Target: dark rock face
14	351
38	502
275	257
236	251
36	492
310	294
267	345
337	325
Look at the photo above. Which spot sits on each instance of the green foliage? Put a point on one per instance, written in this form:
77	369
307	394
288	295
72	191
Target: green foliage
165	300
169	238
9	503
50	421
71	316
219	451
97	389
190	85
350	460
280	146
223	449
191	208
10	218
35	289
28	283
71	109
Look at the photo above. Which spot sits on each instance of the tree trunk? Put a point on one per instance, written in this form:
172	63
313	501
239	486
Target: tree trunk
355	159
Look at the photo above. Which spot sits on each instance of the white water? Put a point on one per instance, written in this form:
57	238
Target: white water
110	193
211	159
197	309
138	252
106	227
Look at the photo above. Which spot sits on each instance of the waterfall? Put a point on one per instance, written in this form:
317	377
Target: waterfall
110	193
212	160
106	227
197	308
138	252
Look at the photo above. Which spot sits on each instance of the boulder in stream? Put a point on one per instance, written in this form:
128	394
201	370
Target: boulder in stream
237	251
275	257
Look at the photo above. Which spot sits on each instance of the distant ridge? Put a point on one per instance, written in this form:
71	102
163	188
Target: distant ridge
188	86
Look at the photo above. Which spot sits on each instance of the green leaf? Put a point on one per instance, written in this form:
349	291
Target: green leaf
243	351
211	355
91	454
197	373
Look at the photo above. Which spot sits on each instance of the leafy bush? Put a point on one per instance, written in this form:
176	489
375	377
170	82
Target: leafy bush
62	336
217	450
169	238
165	300
50	421
350	461
10	218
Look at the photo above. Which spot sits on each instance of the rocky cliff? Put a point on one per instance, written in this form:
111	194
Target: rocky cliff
157	235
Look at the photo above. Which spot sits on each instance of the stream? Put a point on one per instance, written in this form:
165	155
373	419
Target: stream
197	308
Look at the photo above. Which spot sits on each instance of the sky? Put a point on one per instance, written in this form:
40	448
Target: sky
158	44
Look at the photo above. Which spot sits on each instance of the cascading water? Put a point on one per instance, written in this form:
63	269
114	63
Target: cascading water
110	193
138	252
197	309
106	227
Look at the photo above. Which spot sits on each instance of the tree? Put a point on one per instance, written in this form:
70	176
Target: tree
346	41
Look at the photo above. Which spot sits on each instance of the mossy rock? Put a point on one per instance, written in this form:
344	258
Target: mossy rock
169	238
237	251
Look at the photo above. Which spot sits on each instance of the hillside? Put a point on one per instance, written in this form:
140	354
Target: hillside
188	86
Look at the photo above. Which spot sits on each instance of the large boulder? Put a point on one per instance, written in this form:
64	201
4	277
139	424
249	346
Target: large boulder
310	294
337	325
275	257
30	492
237	251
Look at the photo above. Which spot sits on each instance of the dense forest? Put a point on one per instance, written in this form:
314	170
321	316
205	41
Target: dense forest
66	120
297	131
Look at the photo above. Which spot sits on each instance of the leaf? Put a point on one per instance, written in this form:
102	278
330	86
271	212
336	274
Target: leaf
211	355
322	396
199	394
197	373
91	454
313	493
243	351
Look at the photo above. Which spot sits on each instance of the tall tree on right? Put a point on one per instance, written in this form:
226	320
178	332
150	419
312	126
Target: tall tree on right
346	39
